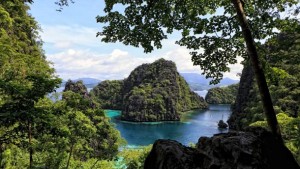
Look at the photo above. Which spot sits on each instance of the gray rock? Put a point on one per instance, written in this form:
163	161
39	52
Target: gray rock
254	149
222	124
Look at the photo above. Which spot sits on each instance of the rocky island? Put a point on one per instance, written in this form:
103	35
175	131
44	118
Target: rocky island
152	92
222	95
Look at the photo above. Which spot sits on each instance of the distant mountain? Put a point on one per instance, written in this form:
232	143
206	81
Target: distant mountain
227	81
88	82
198	82
195	78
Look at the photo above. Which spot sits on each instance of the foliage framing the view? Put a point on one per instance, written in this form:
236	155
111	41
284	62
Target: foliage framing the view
209	25
282	69
222	37
25	76
34	130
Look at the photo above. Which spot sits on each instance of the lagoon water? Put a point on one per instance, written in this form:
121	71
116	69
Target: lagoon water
196	124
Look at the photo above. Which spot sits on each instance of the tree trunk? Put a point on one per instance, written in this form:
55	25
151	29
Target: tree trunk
30	145
70	154
259	74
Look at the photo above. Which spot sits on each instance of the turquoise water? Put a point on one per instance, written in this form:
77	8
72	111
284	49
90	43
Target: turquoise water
196	124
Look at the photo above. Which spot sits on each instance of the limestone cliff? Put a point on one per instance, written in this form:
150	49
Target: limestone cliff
109	94
222	95
245	93
79	89
152	92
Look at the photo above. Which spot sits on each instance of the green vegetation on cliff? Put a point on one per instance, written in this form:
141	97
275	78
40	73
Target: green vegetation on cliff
282	66
109	94
283	73
152	92
222	95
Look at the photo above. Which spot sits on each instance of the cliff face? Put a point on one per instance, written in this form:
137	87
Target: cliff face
109	94
222	95
245	93
254	149
152	92
156	92
281	68
76	87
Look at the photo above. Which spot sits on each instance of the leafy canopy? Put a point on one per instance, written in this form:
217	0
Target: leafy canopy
34	131
210	29
25	75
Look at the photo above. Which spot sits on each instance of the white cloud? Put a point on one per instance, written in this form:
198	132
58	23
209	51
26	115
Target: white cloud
76	52
72	63
183	60
235	69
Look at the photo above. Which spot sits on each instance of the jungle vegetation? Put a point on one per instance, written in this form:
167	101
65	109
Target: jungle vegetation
222	95
152	92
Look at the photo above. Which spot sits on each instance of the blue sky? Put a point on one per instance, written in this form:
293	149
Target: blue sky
71	44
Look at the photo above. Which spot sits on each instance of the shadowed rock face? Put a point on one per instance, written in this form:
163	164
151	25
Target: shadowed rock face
76	87
254	149
244	95
79	88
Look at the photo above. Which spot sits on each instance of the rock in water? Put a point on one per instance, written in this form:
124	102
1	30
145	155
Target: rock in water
244	95
254	149
222	124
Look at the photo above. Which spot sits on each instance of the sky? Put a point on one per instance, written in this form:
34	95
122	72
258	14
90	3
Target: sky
71	45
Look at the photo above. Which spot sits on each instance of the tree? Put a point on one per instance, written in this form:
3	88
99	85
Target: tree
223	36
32	126
282	69
105	142
25	75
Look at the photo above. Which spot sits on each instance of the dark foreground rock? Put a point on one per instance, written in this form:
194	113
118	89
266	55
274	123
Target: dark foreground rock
254	149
